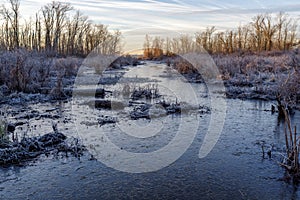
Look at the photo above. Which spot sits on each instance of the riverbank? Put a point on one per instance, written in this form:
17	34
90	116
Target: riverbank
264	76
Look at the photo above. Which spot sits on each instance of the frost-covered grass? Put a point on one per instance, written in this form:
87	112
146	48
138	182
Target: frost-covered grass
273	74
32	72
257	64
264	75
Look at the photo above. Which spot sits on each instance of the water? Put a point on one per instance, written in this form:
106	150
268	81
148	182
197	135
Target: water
234	169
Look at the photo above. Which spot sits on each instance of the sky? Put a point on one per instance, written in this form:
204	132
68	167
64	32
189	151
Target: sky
135	18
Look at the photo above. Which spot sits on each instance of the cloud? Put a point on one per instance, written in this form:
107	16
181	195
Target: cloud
135	17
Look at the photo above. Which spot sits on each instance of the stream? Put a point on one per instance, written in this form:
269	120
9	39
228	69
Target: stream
156	158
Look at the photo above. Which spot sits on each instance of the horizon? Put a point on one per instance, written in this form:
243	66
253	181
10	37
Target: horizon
167	18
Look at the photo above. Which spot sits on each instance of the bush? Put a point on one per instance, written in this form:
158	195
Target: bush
183	66
288	89
69	66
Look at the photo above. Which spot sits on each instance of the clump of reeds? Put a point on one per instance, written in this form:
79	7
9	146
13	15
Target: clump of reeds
149	91
291	161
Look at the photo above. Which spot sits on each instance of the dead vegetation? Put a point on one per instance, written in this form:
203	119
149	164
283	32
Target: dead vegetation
163	108
149	91
17	152
32	72
288	89
261	75
182	66
290	159
251	76
288	97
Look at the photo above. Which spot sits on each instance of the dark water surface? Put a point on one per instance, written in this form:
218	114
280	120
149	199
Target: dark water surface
234	169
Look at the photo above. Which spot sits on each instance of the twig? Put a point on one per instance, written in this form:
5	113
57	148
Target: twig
286	138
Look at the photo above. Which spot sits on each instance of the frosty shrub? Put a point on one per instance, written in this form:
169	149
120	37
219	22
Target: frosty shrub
182	66
68	66
121	61
288	88
24	71
32	72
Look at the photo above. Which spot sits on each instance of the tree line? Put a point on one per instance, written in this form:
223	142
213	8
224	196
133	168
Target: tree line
57	28
265	32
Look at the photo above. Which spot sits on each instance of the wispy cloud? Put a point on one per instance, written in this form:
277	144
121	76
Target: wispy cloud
137	17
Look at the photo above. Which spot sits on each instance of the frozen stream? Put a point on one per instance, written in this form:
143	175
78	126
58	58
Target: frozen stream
234	169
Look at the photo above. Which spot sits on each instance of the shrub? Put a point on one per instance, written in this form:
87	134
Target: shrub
183	66
68	66
288	89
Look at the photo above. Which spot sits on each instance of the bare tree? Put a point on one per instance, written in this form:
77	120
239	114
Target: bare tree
168	50
54	15
281	17
60	11
257	32
269	30
147	47
48	17
54	30
157	47
11	15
